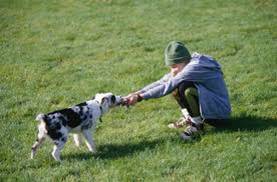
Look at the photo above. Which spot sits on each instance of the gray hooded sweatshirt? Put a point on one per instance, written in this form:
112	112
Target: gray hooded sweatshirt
207	77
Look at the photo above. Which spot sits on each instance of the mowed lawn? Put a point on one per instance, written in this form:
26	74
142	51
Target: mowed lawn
54	54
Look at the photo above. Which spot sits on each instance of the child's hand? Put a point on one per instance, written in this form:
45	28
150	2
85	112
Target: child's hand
125	101
133	98
130	99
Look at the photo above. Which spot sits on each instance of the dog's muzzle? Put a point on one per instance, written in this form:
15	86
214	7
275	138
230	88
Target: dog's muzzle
118	100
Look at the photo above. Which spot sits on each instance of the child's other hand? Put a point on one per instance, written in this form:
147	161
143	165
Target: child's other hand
131	99
125	101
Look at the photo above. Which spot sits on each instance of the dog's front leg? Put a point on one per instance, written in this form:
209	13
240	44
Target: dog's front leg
77	139
89	141
57	150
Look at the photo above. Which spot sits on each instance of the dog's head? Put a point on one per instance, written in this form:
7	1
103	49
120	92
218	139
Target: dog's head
108	99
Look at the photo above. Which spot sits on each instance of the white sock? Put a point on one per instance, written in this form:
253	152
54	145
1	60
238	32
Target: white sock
185	113
196	120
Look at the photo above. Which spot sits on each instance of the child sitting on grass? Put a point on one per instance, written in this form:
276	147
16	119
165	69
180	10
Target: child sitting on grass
197	84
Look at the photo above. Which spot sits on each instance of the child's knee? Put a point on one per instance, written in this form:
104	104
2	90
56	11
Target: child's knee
189	92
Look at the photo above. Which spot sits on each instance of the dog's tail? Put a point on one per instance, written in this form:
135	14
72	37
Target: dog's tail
41	117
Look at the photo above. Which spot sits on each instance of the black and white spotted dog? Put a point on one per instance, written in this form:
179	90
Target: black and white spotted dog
77	119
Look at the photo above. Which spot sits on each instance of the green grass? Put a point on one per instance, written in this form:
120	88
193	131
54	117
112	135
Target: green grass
58	53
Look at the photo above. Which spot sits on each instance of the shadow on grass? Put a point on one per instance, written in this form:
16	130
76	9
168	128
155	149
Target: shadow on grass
113	151
109	151
246	123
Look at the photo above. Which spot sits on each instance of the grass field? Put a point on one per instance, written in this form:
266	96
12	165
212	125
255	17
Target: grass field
58	53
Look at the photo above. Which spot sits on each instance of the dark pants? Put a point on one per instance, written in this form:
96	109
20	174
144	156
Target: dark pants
187	97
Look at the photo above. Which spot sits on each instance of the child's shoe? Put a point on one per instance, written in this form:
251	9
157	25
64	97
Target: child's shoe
178	124
191	130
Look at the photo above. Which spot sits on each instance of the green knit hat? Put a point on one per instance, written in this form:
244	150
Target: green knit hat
175	53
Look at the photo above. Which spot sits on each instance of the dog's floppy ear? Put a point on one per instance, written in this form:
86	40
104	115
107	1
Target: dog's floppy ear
113	99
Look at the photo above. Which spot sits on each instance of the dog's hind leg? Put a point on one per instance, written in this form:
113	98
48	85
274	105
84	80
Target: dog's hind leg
36	145
40	138
89	141
77	139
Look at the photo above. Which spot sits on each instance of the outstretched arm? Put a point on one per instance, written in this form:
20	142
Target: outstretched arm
135	97
154	84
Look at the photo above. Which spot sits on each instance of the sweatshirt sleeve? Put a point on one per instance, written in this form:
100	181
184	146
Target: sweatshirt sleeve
190	73
154	84
161	88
